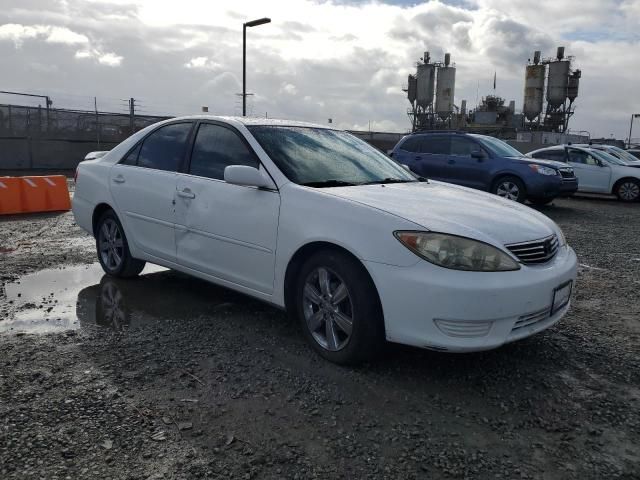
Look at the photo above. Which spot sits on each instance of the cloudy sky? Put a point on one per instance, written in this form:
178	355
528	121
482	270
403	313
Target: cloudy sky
345	60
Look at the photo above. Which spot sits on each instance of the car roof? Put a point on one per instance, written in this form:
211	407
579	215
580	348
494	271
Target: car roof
251	121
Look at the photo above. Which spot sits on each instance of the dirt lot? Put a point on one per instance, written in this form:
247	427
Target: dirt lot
170	377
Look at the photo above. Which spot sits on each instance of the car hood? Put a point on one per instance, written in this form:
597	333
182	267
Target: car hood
541	161
447	208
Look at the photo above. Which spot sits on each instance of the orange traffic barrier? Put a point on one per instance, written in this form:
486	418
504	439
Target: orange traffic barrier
10	201
34	194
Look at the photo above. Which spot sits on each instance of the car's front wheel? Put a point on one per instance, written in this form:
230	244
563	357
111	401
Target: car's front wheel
628	190
338	307
113	249
511	188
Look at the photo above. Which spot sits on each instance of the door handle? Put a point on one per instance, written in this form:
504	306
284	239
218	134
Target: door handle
118	179
451	162
418	158
186	193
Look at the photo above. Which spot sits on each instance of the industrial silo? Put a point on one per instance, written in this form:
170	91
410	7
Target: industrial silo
412	88
558	81
445	88
574	83
425	83
534	88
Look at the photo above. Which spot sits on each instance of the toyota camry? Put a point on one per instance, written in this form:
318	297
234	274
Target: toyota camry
317	222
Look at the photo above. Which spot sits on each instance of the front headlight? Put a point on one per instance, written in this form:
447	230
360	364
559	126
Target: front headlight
457	253
543	170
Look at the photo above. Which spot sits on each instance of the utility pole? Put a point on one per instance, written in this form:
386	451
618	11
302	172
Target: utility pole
132	113
95	107
635	115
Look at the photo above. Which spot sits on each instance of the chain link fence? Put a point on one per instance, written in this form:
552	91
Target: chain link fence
54	138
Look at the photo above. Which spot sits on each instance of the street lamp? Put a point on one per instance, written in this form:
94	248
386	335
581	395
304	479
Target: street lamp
252	23
635	115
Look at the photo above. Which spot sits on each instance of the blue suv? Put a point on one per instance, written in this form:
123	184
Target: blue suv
485	163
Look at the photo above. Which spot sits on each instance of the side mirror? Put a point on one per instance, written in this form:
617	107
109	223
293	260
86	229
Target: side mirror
478	154
247	176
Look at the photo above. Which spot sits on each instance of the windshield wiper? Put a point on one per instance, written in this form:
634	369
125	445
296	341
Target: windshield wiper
389	180
329	183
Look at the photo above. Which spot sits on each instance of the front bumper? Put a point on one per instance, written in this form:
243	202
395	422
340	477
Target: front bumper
569	187
432	307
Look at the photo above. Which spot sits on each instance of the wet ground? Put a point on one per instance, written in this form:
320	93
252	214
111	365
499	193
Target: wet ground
165	376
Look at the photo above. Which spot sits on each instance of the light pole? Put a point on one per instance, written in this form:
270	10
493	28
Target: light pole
635	115
252	23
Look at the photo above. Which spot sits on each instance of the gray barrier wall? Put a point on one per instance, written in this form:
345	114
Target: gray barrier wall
23	153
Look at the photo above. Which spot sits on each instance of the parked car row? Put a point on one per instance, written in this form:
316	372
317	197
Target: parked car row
487	163
597	170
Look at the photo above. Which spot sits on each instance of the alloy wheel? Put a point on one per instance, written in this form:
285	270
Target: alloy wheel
508	190
629	191
328	309
111	244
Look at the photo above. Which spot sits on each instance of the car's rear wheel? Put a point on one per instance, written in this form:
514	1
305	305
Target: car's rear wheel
628	190
338	307
113	249
511	188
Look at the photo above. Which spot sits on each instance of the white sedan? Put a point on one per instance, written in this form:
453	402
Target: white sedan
317	222
597	171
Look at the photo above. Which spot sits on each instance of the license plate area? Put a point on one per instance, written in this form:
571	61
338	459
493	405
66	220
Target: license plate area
561	296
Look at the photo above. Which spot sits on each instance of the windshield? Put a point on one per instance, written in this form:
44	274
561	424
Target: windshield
623	154
606	157
498	147
323	157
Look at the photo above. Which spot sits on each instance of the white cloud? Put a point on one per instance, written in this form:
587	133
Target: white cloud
110	59
289	89
64	35
51	34
203	63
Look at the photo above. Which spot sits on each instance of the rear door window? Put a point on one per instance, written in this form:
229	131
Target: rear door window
437	145
580	156
164	148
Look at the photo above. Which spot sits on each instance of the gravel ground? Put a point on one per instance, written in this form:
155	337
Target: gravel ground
169	377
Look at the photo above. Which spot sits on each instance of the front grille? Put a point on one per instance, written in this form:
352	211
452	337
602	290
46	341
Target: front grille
531	319
567	173
536	251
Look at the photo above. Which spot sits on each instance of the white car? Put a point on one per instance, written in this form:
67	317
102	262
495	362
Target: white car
316	221
617	152
596	170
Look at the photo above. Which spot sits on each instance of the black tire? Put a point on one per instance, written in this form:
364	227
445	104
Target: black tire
627	190
127	266
510	184
367	327
541	201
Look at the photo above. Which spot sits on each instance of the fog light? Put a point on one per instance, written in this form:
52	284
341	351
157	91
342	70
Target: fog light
463	328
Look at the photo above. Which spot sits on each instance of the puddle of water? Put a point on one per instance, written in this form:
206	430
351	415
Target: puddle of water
47	301
70	298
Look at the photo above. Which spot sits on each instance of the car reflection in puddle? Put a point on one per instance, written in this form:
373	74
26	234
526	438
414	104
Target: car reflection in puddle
75	297
119	304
